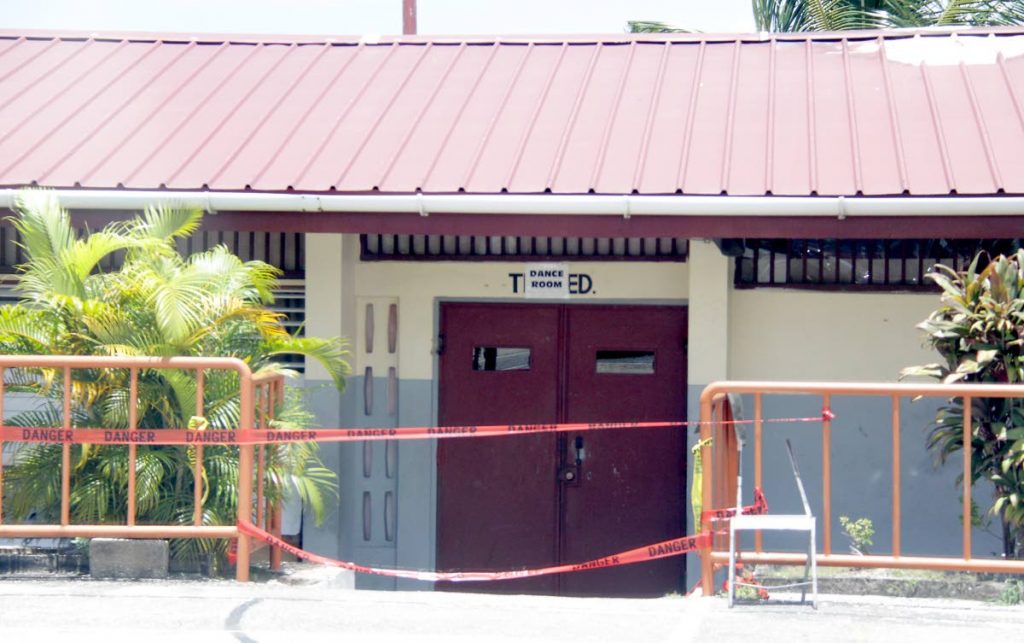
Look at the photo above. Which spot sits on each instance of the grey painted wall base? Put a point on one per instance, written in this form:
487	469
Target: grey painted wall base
328	537
417	484
411	480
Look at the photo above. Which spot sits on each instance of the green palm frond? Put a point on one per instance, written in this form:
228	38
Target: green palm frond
1009	13
48	279
83	255
331	353
183	386
243	322
836	15
253	281
940	13
165	222
34	326
177	300
955	12
58	262
652	26
30	486
778	15
44	226
25	380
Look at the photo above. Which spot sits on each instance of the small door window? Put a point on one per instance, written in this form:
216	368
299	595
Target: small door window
623	362
501	358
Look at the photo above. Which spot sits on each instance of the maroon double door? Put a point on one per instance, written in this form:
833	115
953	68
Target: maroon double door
535	500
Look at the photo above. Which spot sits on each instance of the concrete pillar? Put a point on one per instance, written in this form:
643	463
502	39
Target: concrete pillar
710	285
330	312
708	345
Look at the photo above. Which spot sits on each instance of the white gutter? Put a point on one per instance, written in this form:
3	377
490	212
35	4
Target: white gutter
544	204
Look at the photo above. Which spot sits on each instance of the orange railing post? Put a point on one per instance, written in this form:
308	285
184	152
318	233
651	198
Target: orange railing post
262	400
277	397
967	477
65	461
245	472
826	475
133	424
896	500
758	443
197	471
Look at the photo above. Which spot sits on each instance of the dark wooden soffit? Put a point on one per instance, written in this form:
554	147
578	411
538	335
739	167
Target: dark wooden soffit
949	227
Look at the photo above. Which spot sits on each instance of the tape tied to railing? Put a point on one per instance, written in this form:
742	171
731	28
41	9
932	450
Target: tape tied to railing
663	549
759	507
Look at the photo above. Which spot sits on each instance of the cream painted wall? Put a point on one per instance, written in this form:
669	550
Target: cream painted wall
330	302
777	334
709	311
418	285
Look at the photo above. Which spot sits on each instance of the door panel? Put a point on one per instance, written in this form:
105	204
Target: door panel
497	496
631	489
501	502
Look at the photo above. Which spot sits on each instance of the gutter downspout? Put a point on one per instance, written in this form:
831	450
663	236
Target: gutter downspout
625	206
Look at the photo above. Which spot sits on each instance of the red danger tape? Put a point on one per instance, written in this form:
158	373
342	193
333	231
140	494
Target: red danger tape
663	549
271	436
760	506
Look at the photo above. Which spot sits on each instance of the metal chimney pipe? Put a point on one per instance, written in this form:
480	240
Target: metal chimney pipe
408	17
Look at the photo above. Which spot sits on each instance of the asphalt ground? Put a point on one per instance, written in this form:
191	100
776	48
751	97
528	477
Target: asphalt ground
45	609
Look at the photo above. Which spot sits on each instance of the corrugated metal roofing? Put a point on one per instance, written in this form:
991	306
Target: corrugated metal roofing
930	113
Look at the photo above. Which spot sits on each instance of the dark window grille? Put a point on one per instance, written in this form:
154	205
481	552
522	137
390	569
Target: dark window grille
423	247
286	250
863	264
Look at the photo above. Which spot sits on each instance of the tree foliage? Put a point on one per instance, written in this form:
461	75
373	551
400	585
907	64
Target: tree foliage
158	303
845	15
812	15
978	330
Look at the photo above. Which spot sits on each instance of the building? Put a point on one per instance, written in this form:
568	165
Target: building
742	207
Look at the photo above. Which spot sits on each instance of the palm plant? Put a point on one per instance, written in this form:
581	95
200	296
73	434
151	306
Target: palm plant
158	303
651	26
943	13
813	15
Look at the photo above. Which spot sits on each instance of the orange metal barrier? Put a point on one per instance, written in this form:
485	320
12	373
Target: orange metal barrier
720	471
267	391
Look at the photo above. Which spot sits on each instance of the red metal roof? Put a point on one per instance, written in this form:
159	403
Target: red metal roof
924	113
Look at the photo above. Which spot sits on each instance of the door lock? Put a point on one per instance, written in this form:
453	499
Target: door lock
568	474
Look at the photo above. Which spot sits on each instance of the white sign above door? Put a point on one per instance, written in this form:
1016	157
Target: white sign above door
546	281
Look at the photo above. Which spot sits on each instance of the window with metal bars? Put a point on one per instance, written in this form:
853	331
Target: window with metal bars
861	264
421	247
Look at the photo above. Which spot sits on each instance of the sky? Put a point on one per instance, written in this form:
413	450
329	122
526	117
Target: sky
362	17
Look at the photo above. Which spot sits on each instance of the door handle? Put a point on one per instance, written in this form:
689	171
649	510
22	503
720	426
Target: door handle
570	472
